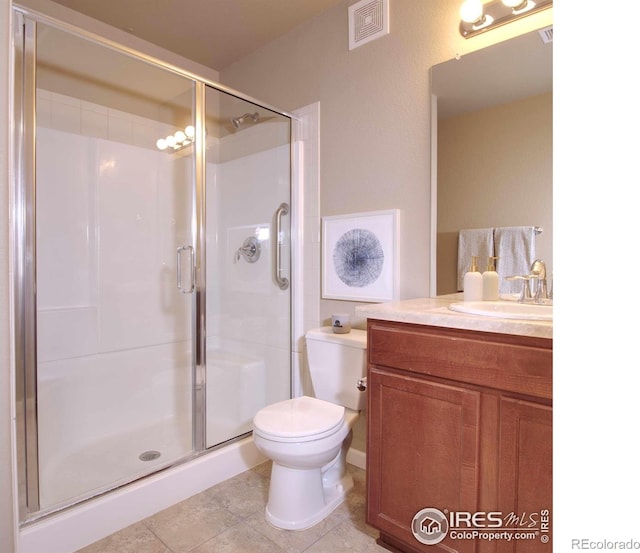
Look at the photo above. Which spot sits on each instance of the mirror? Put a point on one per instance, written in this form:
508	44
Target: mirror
492	148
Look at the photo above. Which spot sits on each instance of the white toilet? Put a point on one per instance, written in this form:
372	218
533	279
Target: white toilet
307	438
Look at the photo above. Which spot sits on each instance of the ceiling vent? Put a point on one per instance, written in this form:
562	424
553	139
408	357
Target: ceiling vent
546	34
368	20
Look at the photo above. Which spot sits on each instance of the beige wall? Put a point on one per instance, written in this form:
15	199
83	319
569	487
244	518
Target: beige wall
495	169
374	126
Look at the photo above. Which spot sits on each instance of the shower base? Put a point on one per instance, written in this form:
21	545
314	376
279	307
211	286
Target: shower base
112	461
90	521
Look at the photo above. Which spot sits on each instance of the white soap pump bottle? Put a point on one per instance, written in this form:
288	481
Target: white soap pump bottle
490	281
473	282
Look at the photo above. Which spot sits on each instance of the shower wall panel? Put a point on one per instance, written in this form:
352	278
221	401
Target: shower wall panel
143	218
248	316
103	199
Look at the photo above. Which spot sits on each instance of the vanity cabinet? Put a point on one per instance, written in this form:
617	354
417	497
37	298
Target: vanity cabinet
458	421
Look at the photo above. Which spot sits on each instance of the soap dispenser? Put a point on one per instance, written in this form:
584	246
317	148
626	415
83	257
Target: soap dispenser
490	281
473	282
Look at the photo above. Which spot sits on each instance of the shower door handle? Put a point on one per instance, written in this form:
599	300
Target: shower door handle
281	281
192	269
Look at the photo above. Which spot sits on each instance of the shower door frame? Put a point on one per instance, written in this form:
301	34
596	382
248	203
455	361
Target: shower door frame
23	261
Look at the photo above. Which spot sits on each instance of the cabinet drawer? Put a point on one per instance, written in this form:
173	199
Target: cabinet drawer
518	364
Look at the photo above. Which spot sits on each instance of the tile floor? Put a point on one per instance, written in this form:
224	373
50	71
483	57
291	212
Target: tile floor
229	518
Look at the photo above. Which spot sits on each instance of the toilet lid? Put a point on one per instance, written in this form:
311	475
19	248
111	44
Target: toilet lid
299	417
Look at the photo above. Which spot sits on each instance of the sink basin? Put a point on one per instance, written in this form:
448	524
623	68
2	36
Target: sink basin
505	310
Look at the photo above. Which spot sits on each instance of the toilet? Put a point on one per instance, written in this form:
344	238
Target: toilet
307	438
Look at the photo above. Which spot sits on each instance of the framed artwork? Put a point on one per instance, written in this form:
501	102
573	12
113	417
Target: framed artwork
359	256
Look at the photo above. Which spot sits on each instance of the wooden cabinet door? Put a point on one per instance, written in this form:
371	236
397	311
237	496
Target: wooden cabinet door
422	452
525	472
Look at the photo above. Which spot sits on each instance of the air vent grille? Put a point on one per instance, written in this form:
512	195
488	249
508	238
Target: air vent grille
546	34
368	20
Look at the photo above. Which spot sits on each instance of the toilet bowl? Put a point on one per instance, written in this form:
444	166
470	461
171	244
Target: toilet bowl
309	476
307	438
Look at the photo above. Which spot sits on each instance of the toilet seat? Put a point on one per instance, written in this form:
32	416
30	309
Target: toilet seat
299	419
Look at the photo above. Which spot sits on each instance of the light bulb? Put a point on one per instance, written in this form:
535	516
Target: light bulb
171	141
471	11
190	131
180	137
161	144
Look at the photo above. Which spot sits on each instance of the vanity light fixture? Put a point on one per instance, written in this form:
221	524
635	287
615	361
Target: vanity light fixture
476	17
178	140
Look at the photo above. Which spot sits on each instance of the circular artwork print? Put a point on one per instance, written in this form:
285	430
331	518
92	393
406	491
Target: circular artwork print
358	258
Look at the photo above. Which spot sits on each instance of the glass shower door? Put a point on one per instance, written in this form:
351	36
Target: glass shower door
248	303
114	266
153	257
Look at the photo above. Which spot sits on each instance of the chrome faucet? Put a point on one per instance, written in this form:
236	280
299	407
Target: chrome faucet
537	274
250	250
539	271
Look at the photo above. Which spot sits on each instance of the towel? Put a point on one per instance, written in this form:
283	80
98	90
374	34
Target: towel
477	241
516	251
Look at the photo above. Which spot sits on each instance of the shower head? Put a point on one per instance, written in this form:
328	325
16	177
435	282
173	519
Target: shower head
237	121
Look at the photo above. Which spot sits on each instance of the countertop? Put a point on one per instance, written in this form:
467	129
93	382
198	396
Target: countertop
436	312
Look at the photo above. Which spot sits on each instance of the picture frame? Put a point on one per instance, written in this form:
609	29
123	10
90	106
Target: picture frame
360	256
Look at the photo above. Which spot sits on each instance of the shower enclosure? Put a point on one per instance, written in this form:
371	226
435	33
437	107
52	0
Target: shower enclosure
152	257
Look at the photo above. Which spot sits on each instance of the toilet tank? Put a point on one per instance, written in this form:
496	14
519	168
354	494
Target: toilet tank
336	363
